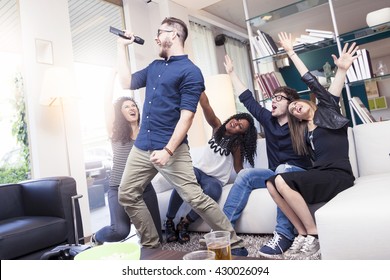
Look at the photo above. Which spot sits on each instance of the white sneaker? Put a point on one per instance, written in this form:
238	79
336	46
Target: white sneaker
295	249
310	247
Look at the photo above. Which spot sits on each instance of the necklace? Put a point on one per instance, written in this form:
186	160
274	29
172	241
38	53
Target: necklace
222	147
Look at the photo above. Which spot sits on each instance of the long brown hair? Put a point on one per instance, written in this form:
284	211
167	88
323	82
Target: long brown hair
298	130
122	130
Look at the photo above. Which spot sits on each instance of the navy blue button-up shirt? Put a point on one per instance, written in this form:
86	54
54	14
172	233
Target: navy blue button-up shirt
171	86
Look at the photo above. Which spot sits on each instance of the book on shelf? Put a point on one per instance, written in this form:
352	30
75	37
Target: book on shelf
362	64
270	41
262	88
367	63
321	35
256	46
262	46
323	32
356	66
278	76
267	84
309	39
361	110
273	81
351	75
265	44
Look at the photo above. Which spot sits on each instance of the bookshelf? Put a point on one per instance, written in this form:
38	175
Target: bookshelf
317	54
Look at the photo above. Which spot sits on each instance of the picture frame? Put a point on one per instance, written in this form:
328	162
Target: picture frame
44	51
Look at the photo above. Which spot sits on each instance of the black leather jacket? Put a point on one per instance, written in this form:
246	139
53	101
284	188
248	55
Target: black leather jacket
328	113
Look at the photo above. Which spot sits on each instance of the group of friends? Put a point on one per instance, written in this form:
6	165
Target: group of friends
307	149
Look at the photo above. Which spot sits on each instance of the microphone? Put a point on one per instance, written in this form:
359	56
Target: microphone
121	33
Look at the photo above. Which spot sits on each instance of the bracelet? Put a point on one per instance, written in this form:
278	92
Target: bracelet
292	54
168	151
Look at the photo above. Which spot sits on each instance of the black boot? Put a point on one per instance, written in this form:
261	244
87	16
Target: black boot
170	231
182	229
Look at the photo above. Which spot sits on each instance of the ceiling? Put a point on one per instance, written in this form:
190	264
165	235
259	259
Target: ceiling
350	15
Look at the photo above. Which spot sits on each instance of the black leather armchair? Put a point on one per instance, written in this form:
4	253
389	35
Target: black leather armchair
36	216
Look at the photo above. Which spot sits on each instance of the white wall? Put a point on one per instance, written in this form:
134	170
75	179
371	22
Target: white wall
49	20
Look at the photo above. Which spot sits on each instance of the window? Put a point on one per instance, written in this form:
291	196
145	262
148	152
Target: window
204	49
14	149
94	49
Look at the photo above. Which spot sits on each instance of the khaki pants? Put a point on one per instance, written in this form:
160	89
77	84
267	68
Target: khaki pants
179	172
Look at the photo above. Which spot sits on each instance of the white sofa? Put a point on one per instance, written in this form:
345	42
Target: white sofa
356	223
259	216
353	225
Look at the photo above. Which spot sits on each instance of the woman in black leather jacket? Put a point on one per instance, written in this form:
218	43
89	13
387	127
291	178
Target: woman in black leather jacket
320	131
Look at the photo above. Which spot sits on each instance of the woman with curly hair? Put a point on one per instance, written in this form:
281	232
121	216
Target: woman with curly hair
122	124
231	143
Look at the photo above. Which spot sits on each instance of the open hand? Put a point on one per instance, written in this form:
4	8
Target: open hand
347	56
285	41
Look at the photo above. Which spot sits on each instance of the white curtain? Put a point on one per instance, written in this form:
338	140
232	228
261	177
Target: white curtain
238	52
204	49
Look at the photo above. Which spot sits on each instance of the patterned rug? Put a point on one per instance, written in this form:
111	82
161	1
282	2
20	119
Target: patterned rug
252	243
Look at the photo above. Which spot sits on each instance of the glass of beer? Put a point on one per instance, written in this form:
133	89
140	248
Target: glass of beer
200	255
219	243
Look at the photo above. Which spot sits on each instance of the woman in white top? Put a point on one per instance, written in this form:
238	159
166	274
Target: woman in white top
231	143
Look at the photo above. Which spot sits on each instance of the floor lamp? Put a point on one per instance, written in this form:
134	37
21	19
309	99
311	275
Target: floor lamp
58	85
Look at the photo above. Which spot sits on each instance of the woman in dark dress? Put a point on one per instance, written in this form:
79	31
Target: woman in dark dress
320	131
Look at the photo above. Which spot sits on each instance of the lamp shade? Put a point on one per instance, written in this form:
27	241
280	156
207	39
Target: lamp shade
219	90
57	83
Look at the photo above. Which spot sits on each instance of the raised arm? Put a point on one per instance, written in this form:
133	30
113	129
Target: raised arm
108	106
123	65
343	63
208	112
287	44
238	86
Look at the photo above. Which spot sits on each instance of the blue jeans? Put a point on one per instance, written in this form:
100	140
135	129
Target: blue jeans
250	179
120	221
210	186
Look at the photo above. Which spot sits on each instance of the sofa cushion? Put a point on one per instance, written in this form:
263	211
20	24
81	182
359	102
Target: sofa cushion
160	184
372	142
356	223
24	235
11	202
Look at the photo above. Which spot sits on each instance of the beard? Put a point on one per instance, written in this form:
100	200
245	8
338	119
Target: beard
165	46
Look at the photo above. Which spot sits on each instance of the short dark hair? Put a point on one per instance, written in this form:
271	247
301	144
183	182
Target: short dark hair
291	93
181	27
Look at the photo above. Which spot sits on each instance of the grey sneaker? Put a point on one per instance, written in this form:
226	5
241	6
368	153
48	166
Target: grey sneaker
310	247
295	249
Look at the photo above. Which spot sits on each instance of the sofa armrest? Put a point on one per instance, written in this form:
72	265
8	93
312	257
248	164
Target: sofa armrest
52	196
